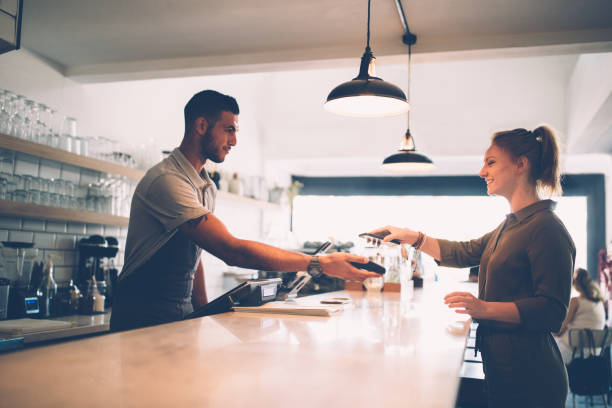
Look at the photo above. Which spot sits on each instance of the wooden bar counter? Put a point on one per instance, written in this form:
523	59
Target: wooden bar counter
381	351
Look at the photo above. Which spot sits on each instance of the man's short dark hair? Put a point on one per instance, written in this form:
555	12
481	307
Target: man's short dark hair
209	104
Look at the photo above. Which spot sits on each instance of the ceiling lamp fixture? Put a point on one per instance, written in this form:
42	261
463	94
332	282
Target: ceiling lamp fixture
366	95
407	160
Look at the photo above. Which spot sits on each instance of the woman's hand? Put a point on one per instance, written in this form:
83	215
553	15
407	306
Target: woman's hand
404	235
467	303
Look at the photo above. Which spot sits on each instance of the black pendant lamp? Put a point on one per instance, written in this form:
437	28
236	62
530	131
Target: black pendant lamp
366	95
407	160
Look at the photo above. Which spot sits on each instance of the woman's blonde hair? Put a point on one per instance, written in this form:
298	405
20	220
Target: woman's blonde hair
585	285
541	149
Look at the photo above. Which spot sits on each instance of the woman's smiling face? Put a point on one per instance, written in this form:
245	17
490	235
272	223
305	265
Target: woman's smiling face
499	172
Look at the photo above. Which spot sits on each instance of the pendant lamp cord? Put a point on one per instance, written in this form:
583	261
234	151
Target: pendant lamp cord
368	38
409	78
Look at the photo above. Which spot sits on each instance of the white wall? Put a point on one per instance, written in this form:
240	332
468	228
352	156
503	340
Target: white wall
285	130
148	115
589	107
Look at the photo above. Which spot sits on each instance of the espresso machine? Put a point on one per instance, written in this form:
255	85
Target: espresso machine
93	253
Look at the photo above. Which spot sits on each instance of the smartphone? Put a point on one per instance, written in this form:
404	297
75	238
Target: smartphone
380	237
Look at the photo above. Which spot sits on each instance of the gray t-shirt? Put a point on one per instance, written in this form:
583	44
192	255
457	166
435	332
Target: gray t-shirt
170	194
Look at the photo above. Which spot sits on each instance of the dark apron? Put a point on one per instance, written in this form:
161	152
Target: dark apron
160	290
522	368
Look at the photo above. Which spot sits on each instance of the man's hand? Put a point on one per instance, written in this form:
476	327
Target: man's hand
337	265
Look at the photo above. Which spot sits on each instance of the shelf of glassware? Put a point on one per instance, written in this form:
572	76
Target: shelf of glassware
51	153
64	214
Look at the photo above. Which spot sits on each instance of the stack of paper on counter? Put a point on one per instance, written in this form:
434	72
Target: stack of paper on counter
294	308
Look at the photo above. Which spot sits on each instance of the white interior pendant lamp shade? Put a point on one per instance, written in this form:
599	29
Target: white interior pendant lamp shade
366	95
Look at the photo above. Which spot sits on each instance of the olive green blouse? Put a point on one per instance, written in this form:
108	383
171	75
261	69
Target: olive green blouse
528	260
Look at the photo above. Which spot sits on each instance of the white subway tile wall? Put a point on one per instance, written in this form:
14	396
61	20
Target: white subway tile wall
94	229
21	236
76	228
26	165
70	173
56	226
89	177
57	239
10	222
32	224
44	240
49	169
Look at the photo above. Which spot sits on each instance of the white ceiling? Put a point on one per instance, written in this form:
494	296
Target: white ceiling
480	65
92	40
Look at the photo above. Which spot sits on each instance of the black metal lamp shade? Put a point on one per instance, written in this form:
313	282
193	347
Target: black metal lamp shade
366	95
407	160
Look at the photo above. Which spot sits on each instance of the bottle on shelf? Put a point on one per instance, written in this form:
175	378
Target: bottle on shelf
93	302
48	290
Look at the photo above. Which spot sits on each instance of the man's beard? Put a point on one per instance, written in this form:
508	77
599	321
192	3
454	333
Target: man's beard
207	150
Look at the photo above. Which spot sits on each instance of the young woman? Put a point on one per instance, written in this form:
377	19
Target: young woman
586	311
525	276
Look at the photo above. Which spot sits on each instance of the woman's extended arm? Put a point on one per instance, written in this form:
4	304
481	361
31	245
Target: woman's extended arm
406	236
571	313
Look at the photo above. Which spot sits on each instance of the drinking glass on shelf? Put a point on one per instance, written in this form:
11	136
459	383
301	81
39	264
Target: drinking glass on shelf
45	184
83	145
54	200
52	128
65	142
42	124
18	182
27	182
3	183
5	115
33	197
68	188
20	195
7	162
44	198
76	145
16	117
29	120
68	133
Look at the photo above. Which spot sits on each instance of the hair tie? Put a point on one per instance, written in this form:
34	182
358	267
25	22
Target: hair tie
537	137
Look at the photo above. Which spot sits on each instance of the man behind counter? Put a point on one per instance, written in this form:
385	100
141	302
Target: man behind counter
171	221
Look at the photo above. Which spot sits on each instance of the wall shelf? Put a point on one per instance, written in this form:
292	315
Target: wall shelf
63	214
51	153
222	195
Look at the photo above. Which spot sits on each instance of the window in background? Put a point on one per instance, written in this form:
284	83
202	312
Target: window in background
316	217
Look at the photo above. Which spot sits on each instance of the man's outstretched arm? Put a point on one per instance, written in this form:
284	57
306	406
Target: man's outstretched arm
211	234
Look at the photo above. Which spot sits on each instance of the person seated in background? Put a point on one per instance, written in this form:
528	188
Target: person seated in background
586	311
474	273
